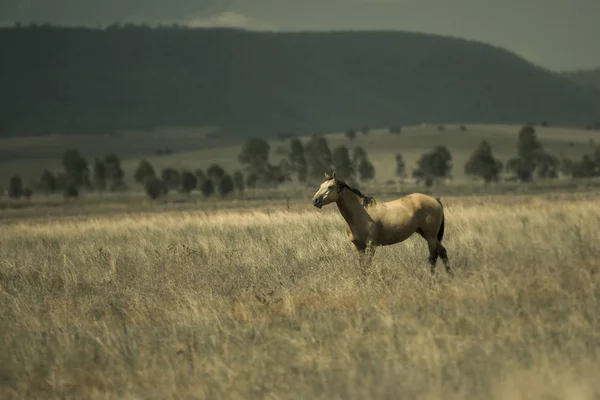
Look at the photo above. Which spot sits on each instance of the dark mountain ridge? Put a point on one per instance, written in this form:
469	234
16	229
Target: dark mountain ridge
80	80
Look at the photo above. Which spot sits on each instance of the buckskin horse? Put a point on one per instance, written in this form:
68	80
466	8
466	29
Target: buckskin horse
371	224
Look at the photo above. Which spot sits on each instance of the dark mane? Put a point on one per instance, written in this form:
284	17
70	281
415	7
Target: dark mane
366	199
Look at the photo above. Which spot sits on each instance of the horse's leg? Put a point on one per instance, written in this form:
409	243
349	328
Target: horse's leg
432	244
365	254
369	253
441	250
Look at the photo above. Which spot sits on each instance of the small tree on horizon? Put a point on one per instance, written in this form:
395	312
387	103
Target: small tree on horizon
400	166
318	156
529	150
255	158
483	164
155	187
99	175
298	160
114	172
207	188
342	163
215	172
144	171
76	168
171	177
47	183
366	170
188	181
238	181
15	187
226	185
434	165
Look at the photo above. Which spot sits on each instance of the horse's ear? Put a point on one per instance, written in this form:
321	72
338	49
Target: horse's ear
333	175
327	176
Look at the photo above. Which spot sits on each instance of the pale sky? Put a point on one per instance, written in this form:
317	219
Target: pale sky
555	34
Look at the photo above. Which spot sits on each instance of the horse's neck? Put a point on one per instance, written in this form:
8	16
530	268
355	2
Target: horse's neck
351	208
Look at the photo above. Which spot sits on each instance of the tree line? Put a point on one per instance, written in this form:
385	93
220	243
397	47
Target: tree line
304	163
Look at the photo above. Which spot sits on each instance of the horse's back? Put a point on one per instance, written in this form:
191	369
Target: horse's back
415	202
414	211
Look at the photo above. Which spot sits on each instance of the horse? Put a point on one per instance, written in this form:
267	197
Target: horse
371	224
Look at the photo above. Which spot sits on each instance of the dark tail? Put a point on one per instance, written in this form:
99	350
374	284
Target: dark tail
440	234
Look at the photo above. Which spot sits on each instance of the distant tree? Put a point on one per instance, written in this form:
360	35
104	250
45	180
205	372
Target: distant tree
366	170
76	168
188	181
70	189
255	157
483	164
99	175
544	123
342	163
358	153
463	128
285	171
434	165
171	177
207	188
318	156
215	172
529	150
596	157
238	181
47	182
143	172
586	168
547	166
200	177
27	193
15	187
298	160
528	143
226	185
441	128
395	130
155	187
365	130
351	134
566	166
114	172
400	166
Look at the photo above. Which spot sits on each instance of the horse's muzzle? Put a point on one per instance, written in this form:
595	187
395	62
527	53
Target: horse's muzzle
318	203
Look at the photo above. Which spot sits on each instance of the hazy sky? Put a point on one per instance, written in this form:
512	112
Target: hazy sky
556	34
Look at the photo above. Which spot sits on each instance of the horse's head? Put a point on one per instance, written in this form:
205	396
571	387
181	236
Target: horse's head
329	191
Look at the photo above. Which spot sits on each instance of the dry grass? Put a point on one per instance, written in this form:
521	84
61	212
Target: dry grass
241	304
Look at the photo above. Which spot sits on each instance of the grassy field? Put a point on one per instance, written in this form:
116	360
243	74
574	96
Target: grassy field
29	156
268	303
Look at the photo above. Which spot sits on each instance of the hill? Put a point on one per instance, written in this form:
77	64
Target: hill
80	80
588	77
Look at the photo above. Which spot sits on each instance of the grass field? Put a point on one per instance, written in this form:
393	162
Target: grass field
268	303
29	156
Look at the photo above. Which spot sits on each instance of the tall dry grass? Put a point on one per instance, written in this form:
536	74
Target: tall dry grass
241	304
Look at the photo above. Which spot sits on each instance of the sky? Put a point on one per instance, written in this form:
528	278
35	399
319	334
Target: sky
555	34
